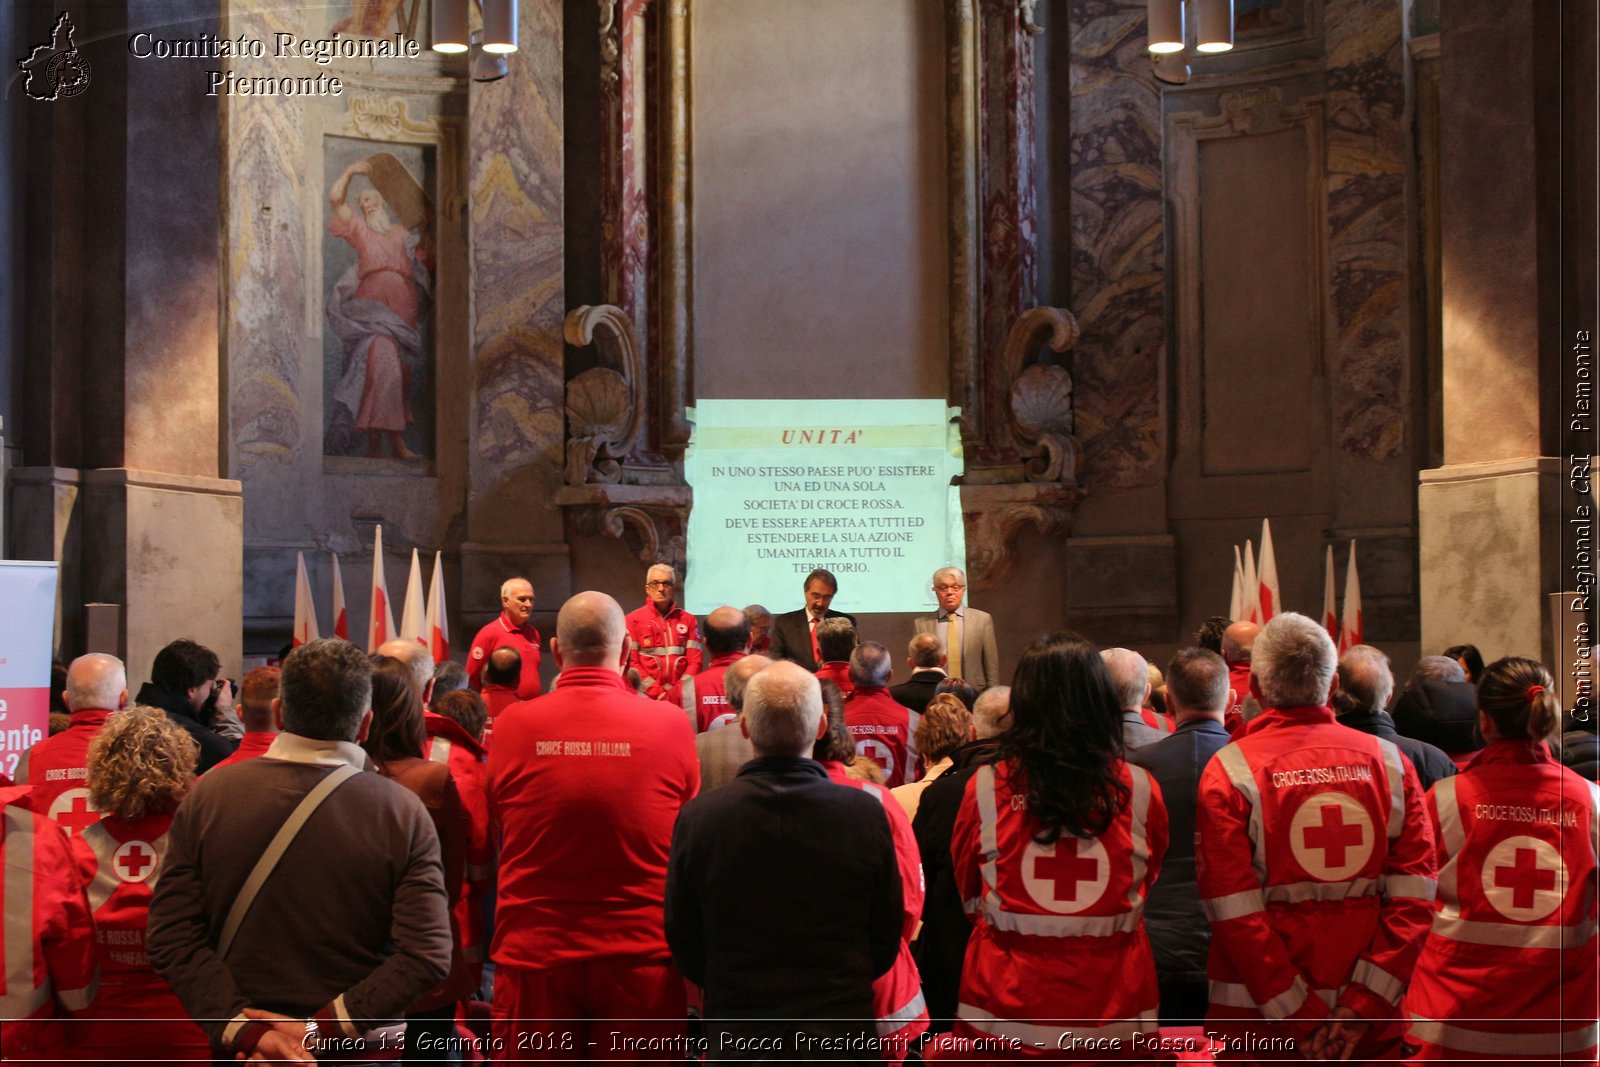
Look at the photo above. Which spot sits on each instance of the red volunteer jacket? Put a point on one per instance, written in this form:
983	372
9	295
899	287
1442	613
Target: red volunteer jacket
48	935
664	647
1306	827
884	731
1058	944
120	861
897	1002
253	744
837	672
498	634
1508	970
704	696
58	770
585	784
449	743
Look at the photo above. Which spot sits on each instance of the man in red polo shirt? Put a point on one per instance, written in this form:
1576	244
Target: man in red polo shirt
704	696
512	629
884	729
663	639
585	785
58	767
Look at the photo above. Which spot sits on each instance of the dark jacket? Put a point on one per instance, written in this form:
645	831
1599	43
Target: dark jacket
791	636
942	944
1179	934
917	691
214	748
1577	747
1430	762
783	901
1444	714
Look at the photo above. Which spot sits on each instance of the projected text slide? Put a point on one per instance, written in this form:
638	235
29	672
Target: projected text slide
861	488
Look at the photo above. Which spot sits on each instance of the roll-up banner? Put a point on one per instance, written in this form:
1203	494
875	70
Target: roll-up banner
27	627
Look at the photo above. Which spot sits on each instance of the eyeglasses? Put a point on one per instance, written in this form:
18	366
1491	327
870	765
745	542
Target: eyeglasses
948	588
659	585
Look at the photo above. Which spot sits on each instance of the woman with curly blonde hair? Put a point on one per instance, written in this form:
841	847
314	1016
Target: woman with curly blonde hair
943	728
141	765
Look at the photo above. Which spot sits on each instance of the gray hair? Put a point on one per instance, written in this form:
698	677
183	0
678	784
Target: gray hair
1437	669
505	586
925	650
739	675
325	689
96	680
990	711
835	634
782	710
669	568
870	665
448	676
756	611
1366	681
415	657
957	571
1130	676
1293	662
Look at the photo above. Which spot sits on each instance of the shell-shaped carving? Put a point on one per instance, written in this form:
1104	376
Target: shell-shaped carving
1041	400
599	404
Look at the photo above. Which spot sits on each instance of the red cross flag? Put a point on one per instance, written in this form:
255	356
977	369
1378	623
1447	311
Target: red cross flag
1236	597
1350	633
305	612
341	619
1330	613
380	620
435	624
1267	593
1250	610
411	616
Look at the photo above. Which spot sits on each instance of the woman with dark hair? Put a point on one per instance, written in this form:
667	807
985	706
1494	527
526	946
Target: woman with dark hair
141	766
1508	970
395	743
1058	844
959	688
1471	660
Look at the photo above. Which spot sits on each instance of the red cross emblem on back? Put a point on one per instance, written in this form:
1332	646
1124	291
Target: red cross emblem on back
1066	866
135	861
72	811
1067	877
1333	836
1525	878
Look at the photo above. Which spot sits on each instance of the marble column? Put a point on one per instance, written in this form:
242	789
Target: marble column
1490	518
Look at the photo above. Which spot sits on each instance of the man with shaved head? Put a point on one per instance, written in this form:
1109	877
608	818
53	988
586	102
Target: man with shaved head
763	951
58	766
586	783
704	696
1237	641
512	628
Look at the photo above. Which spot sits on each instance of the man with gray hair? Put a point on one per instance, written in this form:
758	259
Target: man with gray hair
942	944
723	751
1307	828
965	633
925	656
663	639
1439	706
1130	676
513	628
885	731
58	766
762	952
836	640
359	885
1365	685
760	629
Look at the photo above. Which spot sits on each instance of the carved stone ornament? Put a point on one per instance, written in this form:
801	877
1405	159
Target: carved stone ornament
650	519
1040	411
604	405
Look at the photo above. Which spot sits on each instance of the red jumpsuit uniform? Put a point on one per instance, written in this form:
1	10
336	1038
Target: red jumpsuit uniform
254	743
1155	720
121	862
449	743
1058	953
1239	682
47	937
704	696
1512	949
1308	829
897	1002
884	732
501	634
664	647
585	785
58	770
838	672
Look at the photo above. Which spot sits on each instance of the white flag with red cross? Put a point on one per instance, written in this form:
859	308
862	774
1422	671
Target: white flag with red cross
437	627
305	610
380	620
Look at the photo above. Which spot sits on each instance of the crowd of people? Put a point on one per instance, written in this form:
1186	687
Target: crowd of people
754	836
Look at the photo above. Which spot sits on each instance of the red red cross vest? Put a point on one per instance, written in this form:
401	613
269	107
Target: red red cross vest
883	730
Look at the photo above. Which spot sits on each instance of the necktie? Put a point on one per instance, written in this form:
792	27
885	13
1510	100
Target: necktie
816	653
952	641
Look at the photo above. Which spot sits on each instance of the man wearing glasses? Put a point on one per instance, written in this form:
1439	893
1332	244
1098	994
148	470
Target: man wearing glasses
966	633
663	639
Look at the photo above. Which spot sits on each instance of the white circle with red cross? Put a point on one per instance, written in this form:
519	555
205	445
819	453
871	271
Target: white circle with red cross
878	753
1068	876
73	812
1331	836
1524	878
135	861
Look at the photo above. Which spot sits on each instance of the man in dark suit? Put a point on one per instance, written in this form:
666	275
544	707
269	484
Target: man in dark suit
794	633
925	656
762	952
1365	684
1180	935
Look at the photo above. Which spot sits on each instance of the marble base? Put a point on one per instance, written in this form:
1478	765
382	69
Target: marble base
1489	551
